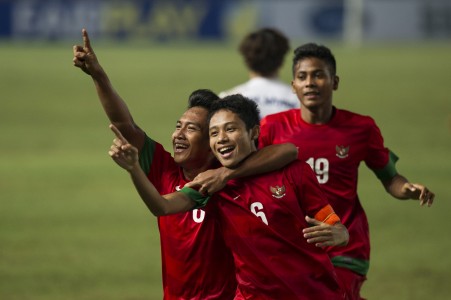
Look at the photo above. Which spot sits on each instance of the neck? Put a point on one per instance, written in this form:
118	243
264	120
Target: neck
317	116
190	174
253	74
190	171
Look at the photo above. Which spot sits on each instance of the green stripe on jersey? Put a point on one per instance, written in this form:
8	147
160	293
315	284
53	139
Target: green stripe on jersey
389	171
146	154
359	266
197	197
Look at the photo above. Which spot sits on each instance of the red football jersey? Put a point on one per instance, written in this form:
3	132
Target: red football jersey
262	218
196	263
335	151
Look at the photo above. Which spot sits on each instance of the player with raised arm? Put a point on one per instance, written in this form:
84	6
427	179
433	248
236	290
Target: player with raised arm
334	142
265	218
192	250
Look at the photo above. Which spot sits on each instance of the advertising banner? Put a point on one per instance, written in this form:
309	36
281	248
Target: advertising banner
161	20
144	19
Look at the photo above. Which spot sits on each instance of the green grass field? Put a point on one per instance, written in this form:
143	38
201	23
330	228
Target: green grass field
72	226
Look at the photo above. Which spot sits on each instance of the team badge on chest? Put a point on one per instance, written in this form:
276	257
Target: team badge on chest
277	191
342	151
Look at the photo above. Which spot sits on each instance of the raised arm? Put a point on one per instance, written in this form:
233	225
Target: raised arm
267	159
400	188
126	156
113	105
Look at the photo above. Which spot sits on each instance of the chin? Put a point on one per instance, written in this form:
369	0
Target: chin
228	164
178	159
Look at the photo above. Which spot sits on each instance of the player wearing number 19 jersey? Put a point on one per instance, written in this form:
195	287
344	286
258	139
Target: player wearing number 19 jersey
196	263
334	142
335	151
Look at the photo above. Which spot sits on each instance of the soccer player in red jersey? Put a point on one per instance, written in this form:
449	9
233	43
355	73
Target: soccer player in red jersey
265	218
334	142
196	263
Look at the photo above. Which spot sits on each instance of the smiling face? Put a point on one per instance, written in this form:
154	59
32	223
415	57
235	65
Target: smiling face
314	83
230	141
190	140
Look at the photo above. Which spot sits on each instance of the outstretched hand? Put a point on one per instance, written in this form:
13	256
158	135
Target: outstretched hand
122	152
84	56
323	235
419	192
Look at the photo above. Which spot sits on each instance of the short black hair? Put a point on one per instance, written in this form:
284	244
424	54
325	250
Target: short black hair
202	98
314	50
264	50
246	109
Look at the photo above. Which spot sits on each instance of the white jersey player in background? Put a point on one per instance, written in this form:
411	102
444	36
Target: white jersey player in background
263	52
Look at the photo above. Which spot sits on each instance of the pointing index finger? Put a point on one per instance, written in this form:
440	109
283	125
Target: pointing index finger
86	41
118	133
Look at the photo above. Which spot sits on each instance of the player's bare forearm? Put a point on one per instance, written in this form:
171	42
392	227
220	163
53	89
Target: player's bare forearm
117	111
157	204
395	186
113	105
269	158
400	188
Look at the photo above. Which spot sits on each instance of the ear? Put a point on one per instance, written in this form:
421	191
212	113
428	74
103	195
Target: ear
336	81
255	132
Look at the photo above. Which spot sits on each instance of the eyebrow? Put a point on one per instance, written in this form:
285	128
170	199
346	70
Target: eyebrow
190	123
312	71
225	124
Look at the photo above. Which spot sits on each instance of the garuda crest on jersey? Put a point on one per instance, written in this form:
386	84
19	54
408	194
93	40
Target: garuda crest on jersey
277	191
342	151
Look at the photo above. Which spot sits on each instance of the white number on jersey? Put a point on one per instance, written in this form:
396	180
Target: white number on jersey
257	209
198	215
321	167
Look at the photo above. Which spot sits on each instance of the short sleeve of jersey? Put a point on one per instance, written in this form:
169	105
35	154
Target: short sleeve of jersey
378	157
156	162
311	197
264	139
271	125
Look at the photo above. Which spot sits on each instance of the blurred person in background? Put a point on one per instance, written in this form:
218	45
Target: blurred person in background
334	142
196	263
263	52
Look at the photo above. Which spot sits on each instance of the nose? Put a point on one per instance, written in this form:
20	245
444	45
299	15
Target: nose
222	137
179	134
309	81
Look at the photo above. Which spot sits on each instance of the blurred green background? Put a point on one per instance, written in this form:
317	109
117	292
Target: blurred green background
72	225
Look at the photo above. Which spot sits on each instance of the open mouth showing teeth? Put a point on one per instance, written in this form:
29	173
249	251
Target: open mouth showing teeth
180	146
226	150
